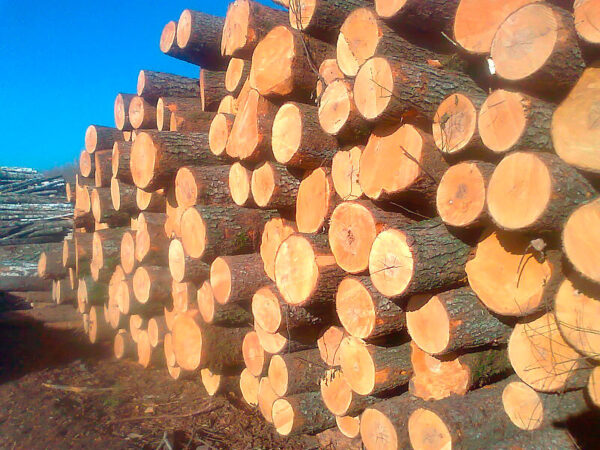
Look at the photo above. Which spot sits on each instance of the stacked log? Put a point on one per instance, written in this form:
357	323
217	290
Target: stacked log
400	256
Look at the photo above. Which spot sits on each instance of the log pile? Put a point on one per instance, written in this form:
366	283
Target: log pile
350	223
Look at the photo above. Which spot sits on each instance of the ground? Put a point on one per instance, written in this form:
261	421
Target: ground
121	406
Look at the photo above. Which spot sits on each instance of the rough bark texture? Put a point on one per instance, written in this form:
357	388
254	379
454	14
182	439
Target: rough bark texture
169	105
432	16
546	438
310	414
203	186
105	212
304	372
153	85
212	89
222	347
123	197
230	315
120	161
200	41
191	121
98	137
285	188
246	276
50	265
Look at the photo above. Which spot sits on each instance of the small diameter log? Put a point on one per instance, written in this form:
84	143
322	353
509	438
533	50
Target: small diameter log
364	312
240	185
157	329
142	114
339	397
212	89
123	197
436	378
275	232
580	234
274	315
255	357
186	269
64	293
69	255
136	324
191	122
234	279
184	296
315	201
305	271
339	116
236	75
106	252
266	398
452	321
104	211
455	123
510	121
166	106
353	228
548	191
372	370
202	185
510	277
152	284
298	140
216	314
274	187
345	167
328	344
218	134
297	372
99	329
287	341
281	66
82	195
576	306
171	315
50	265
229	105
329	71
250	137
153	85
530	410
384	89
150	201
121	111
215	383
349	427
300	414
548	60
417	258
540	356
83	251
246	24
90	292
120	161
124	347
199	39
431	16
210	231
128	305
461	194
249	387
156	156
98	137
86	164
322	19
401	163
151	242
168	348
128	261
149	356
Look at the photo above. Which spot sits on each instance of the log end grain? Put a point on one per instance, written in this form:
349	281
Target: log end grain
455	123
580	234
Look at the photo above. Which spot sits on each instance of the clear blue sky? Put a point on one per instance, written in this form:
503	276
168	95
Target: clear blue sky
64	62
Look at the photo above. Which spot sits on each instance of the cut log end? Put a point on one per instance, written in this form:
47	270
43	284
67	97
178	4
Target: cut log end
249	387
427	430
523	406
454	123
272	63
355	308
144	157
266	398
593	387
254	354
357	365
177	260
128	261
391	263
502	120
278	375
187	341
296	271
233	75
358	40
184	28
283	416
344	173
142	284
240	180
168	37
263	184
336	392
287	133
580	234
266	309
587	14
193	232
275	232
329	344
349	426
315	201
335	107
221	280
218	133
428	323
377	431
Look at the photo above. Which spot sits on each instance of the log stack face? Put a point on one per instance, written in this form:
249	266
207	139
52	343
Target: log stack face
338	222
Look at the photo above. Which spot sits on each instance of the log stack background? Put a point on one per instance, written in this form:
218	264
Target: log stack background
379	217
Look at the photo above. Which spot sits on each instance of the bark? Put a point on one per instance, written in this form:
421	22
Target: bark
123	197
255	356
24	283
89	293
236	75
310	416
104	211
142	114
99	328
199	39
222	347
185	268
339	397
152	246
152	284
302	372
203	186
69	256
212	89
546	438
274	187
287	341
153	85
50	266
234	279
191	121
431	16
98	137
120	162
166	106
151	201
230	315
333	438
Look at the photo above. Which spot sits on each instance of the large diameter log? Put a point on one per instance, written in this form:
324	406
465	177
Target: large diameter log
508	275
370	369
452	321
210	231
540	356
275	232
548	191
301	413
120	161
153	85
156	156
328	344
123	197
417	258
121	111
298	139
353	228
104	211
166	106
339	397
461	194
363	35
99	329
152	284
142	114
250	137
579	236
236	75
510	121
401	163
305	271
537	47
281	66
202	185
240	185
274	187
255	357
321	18
384	89
199	39
186	269
234	279
364	312
433	16
315	201
218	133
338	114
585	14
246	24
297	372
436	378
98	137
345	167
50	265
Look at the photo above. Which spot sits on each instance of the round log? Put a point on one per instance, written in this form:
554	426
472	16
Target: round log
191	121
274	187
255	357
214	313
345	167
240	185
128	261
236	75
136	324
183	268
301	414
184	296
348	426
275	232
152	284
123	197
151	242
315	201
64	293
86	164
297	372
121	111
99	329
102	167
234	279
98	137
580	234
166	106
207	185
212	89
149	356
329	71
142	114
266	398
585	15
120	161
433	16
218	134
339	397
215	383
124	346
157	329
199	39
106	252
69	256
153	85
249	387
150	201
328	344
286	341
104	211
593	387
50	265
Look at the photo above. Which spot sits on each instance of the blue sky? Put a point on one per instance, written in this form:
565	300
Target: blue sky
64	62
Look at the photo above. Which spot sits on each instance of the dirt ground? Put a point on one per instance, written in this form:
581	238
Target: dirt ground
121	405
